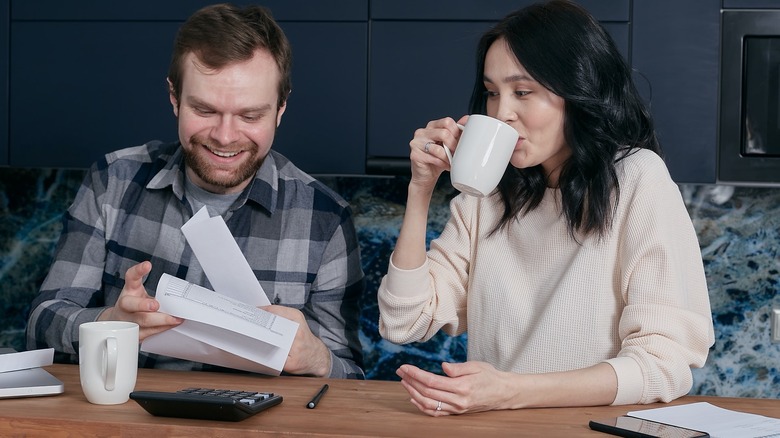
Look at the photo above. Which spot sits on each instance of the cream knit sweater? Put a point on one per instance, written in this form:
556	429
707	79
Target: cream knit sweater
535	301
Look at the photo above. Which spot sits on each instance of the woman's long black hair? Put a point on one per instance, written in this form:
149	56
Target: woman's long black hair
567	51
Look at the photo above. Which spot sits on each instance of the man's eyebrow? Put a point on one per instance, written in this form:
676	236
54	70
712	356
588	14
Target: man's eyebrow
192	100
509	79
256	109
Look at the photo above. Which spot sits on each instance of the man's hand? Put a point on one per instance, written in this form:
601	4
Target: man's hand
135	305
308	355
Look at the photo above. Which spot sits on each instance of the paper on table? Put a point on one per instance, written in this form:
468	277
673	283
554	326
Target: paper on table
222	259
718	422
14	361
220	330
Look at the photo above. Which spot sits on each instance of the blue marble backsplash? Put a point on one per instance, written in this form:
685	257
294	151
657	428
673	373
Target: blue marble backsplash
738	229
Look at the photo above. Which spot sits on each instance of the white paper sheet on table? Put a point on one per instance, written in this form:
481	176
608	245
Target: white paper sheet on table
23	360
222	327
717	421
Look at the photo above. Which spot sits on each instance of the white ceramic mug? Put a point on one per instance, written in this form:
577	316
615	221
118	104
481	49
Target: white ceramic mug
483	152
108	360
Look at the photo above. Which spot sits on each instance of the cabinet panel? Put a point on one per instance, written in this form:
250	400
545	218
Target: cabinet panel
421	71
4	61
484	10
84	10
81	90
70	106
675	46
323	129
90	79
620	35
751	4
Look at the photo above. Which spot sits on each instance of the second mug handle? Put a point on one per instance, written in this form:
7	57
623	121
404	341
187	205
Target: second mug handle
447	150
110	363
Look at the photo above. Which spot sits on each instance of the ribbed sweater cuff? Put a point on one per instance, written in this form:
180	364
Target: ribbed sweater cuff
406	283
630	381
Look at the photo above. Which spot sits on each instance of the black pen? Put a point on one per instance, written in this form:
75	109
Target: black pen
313	403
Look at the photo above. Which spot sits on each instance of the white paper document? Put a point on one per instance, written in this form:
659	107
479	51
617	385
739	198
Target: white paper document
222	327
222	259
718	422
14	361
220	330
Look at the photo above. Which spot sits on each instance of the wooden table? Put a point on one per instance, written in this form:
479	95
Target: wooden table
350	408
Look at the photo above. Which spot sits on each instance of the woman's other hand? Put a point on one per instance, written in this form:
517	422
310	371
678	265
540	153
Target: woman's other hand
467	387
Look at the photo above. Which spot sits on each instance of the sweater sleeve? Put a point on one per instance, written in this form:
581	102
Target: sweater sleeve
415	304
666	325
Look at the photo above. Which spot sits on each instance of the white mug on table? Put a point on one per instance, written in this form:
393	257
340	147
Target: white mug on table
482	154
108	360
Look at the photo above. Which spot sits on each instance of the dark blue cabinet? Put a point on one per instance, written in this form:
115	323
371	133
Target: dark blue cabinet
90	78
82	90
676	48
482	10
156	10
422	65
419	71
323	129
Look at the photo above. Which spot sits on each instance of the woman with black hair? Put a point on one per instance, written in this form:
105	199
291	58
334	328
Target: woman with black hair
580	278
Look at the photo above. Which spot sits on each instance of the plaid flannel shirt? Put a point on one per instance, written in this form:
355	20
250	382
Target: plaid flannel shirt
296	234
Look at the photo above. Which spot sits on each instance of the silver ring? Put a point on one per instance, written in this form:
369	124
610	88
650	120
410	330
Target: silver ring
425	149
438	407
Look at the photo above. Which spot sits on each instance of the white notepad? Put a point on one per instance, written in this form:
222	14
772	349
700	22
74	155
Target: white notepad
717	421
31	382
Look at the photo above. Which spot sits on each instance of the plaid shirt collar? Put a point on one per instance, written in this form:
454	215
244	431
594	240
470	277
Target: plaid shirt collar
263	190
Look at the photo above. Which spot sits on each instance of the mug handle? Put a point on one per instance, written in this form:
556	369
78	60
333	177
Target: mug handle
449	154
110	363
447	150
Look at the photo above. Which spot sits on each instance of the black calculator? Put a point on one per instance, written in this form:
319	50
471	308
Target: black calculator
206	403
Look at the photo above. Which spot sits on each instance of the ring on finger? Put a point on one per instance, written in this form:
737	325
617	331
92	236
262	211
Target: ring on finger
438	406
425	148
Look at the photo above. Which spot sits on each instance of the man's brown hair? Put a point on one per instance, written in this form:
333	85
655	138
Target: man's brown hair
223	34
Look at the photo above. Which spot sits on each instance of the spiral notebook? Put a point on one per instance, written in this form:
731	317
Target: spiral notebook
30	382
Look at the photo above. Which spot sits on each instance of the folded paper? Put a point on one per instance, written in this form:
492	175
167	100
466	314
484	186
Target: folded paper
222	327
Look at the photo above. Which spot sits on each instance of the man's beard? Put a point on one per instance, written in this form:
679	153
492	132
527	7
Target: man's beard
208	172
